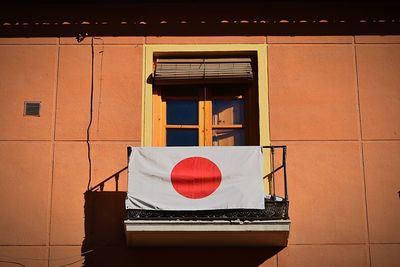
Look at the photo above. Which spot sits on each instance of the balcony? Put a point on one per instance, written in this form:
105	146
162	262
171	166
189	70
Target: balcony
219	227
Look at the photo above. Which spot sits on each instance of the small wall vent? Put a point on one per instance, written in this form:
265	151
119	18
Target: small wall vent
31	108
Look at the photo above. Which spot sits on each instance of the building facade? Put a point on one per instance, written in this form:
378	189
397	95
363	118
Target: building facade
331	95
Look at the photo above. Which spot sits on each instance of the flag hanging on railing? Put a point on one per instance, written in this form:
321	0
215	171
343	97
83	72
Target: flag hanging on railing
195	178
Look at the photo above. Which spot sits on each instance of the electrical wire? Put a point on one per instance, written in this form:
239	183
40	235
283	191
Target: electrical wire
91	107
68	264
101	52
13	262
43	259
90	118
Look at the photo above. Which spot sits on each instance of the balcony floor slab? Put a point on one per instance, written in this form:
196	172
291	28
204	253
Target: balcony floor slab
207	233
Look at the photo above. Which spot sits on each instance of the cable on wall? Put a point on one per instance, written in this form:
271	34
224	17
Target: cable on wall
90	118
91	105
15	260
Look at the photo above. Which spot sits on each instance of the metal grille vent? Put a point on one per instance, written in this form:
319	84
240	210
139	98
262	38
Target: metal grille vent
32	108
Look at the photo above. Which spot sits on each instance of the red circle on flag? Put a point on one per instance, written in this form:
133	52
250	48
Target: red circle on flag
195	177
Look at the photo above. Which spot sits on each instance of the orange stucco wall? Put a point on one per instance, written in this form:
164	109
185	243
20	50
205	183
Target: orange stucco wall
333	100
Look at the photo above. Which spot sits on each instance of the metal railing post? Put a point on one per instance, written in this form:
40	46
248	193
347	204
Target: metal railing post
273	171
284	172
116	182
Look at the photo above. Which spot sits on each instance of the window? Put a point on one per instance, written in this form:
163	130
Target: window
205	115
151	128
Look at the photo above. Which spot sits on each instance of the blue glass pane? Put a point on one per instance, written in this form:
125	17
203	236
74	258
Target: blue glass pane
182	112
182	137
228	112
229	137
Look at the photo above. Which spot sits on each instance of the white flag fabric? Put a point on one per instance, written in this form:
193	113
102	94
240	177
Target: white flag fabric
195	178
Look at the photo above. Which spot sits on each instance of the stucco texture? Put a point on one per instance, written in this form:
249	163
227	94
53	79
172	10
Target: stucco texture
333	100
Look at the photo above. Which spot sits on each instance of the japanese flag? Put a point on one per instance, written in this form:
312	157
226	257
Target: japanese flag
195	178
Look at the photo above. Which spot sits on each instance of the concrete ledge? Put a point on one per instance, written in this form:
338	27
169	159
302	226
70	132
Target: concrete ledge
207	233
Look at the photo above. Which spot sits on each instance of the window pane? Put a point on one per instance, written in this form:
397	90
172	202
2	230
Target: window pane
182	112
227	112
182	137
228	137
225	90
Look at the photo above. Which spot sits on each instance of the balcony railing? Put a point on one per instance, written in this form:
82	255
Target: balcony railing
276	202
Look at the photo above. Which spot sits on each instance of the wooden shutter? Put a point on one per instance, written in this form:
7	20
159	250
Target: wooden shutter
203	70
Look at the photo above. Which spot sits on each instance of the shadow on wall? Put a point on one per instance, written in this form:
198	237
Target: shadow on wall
105	244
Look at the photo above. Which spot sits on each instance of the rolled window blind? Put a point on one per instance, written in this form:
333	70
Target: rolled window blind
203	70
